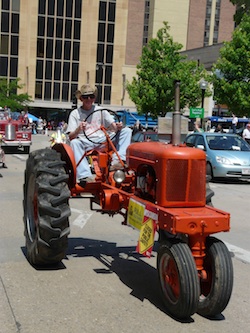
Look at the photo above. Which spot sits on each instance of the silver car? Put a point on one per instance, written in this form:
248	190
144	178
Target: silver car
228	155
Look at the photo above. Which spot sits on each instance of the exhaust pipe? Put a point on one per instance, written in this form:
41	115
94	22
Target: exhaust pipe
176	122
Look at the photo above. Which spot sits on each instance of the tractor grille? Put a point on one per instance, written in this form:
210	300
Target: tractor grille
186	181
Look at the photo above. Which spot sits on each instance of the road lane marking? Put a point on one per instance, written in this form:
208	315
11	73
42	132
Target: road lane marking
20	157
239	253
82	218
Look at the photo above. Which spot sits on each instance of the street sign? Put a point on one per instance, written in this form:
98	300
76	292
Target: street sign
196	113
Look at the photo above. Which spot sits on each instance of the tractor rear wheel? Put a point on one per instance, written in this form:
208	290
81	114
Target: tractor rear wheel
216	289
46	208
178	278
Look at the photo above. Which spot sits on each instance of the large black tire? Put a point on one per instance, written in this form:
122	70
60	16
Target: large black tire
216	290
178	278
46	208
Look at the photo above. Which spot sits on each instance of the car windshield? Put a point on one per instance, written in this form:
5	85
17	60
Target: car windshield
227	142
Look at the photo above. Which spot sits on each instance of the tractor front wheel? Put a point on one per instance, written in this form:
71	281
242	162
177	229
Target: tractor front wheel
178	278
46	208
217	287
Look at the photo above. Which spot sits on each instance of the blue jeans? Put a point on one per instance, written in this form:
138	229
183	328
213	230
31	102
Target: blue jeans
82	145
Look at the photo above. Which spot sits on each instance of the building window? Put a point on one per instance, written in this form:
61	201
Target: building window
69	8
4	45
208	22
76	51
48	70
42	6
111	32
50	27
78	8
49	48
65	92
40	47
51	7
66	69
68	29
47	91
56	92
39	69
14	45
9	38
146	21
105	50
5	22
41	26
59	28
67	50
58	48
57	70
6	4
3	66
38	89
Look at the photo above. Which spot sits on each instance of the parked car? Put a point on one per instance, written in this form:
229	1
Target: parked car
228	155
142	136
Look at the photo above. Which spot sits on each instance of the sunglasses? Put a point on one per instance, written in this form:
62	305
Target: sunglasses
92	96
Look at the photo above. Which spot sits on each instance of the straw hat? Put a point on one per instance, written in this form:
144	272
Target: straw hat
86	90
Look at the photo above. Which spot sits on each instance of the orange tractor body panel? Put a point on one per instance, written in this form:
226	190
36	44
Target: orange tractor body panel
180	170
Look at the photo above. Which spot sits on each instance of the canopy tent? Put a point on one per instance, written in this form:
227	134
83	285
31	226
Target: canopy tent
32	117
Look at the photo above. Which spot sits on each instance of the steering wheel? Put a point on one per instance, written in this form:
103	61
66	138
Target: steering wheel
101	128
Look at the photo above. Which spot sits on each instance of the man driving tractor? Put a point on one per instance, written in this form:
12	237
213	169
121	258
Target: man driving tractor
86	121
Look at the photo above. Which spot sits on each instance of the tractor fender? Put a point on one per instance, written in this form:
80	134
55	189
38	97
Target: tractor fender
67	156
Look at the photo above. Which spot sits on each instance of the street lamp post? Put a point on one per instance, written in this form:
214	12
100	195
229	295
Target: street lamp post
203	86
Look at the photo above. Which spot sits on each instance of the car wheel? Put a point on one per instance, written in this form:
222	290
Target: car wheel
209	171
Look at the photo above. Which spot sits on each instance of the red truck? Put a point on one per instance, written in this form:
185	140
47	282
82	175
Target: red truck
15	133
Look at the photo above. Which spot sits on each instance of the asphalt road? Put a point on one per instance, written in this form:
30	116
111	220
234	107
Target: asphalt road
103	285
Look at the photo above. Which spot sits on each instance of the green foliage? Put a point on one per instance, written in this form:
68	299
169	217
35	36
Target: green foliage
161	64
242	7
9	96
232	86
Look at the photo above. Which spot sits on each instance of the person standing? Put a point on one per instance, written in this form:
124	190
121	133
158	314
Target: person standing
246	133
2	154
77	126
234	123
197	127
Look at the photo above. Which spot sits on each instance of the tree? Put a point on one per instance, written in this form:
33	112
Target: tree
9	96
242	7
161	64
232	85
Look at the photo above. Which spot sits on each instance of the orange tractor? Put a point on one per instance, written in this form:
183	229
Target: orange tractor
161	188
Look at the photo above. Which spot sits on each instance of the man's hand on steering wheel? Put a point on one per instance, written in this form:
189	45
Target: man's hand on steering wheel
119	126
83	125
